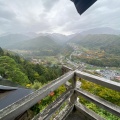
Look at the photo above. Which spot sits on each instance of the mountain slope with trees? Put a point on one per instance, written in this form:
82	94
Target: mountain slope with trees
95	41
42	45
109	43
23	72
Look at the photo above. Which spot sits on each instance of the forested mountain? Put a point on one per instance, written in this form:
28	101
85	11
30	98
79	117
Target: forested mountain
9	69
11	39
109	43
39	43
58	38
23	72
42	45
50	44
95	41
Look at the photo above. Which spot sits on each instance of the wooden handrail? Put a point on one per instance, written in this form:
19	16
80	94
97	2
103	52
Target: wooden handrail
99	80
99	101
19	107
14	110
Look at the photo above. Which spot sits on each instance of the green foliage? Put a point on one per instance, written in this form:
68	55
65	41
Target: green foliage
9	69
105	93
1	51
98	110
48	99
109	62
23	72
36	85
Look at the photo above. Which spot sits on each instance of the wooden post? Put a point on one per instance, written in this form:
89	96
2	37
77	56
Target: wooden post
73	98
63	70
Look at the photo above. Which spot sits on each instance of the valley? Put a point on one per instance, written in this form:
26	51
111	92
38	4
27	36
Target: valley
35	62
92	50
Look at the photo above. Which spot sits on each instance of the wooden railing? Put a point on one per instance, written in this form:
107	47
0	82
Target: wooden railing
72	92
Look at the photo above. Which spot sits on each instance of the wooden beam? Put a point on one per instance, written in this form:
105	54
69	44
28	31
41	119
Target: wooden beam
98	80
114	109
65	112
53	107
87	113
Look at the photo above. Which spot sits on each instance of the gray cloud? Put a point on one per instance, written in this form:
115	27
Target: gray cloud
48	4
56	16
6	14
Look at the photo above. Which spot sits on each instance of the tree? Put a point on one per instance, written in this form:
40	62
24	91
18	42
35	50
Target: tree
1	52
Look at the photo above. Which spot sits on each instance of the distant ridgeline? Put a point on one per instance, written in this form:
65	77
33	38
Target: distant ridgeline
103	39
40	46
23	72
109	44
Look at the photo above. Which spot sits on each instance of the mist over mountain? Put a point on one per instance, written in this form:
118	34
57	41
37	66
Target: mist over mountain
102	30
109	43
42	45
93	38
31	34
59	38
11	39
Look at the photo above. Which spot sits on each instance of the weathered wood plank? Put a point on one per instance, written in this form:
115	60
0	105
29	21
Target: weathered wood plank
98	80
99	101
67	68
64	113
87	113
68	85
50	110
14	110
73	98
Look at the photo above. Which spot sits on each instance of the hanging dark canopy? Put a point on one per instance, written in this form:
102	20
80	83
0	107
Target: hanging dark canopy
83	5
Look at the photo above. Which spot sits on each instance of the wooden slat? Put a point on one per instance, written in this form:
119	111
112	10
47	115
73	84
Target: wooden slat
98	80
53	107
67	68
64	113
114	109
87	113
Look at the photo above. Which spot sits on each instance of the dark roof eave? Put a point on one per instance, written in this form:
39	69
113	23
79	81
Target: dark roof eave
83	5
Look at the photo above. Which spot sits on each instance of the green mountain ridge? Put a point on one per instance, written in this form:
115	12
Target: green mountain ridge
13	73
40	45
23	72
101	41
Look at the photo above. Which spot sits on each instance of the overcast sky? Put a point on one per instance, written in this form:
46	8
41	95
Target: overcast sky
59	16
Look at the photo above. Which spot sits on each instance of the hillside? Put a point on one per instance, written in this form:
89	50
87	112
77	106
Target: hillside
102	41
58	38
10	70
11	39
42	45
23	72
